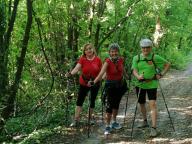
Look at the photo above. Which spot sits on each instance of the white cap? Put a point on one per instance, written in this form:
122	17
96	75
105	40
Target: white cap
146	43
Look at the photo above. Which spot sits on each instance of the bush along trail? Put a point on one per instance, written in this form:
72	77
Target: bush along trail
173	113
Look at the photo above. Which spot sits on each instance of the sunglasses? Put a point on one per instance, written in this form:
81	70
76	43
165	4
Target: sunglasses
146	47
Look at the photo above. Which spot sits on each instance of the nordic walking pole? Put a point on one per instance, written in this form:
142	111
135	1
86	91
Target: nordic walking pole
67	107
89	109
138	94
103	94
135	112
89	115
68	98
166	105
127	99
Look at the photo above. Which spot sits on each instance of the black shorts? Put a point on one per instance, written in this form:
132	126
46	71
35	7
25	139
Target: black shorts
83	91
152	94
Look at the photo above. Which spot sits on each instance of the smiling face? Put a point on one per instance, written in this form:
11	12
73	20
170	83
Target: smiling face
114	53
146	50
88	50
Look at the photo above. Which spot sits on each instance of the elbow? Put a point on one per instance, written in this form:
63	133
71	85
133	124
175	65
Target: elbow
168	65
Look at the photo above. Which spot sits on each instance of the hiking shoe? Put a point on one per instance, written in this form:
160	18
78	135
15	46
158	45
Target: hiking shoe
153	132
116	125
75	123
107	130
144	125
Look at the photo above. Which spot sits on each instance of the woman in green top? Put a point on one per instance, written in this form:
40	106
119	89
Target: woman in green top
146	68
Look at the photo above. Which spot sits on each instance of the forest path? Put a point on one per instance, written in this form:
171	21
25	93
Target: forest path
177	88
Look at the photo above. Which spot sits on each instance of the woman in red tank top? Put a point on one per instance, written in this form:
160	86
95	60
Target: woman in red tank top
114	69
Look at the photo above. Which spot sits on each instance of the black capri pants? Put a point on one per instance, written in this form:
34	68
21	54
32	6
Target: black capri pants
152	94
113	97
83	91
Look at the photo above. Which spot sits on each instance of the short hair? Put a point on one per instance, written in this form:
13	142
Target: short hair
114	46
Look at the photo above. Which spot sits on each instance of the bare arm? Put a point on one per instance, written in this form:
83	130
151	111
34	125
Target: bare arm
135	73
104	76
101	73
165	69
76	69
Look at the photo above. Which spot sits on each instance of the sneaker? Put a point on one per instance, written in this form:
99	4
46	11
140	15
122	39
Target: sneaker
75	123
144	125
107	130
153	132
116	125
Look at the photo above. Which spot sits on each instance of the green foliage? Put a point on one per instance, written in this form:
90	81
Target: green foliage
62	20
178	61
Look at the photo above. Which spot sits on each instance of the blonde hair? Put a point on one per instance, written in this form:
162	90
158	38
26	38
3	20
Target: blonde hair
91	45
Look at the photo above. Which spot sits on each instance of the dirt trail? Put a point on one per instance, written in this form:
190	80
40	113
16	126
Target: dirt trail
177	88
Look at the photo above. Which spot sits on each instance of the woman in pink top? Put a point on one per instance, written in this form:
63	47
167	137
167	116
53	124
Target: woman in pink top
90	65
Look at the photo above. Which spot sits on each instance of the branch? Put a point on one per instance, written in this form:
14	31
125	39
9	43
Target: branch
120	22
11	23
40	102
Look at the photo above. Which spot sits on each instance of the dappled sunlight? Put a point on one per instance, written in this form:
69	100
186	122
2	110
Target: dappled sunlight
171	141
121	116
183	111
60	134
178	98
158	140
125	142
189	107
184	141
163	112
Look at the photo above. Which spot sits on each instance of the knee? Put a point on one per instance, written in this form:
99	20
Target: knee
142	105
153	106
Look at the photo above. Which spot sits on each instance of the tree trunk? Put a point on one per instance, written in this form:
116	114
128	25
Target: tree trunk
97	36
90	17
3	69
75	35
4	48
101	9
14	88
69	30
180	43
73	31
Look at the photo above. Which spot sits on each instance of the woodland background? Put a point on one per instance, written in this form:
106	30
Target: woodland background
40	40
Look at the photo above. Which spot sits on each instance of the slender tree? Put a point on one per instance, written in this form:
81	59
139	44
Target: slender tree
5	37
8	110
